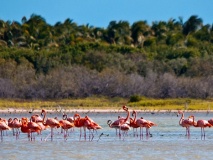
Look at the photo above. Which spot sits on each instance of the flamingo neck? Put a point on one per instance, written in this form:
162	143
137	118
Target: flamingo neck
64	117
109	122
181	118
195	125
135	115
126	109
44	117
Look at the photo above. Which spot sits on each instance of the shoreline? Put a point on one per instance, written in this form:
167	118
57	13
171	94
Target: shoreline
11	110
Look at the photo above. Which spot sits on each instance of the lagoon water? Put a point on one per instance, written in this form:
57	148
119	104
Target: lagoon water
168	141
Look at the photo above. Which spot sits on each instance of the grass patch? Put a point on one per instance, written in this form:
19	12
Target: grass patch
108	103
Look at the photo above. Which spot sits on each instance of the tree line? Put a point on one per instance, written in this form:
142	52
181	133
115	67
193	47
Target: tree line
168	59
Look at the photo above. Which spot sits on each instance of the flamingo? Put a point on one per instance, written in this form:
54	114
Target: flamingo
39	120
141	123
211	121
202	124
70	119
150	125
125	128
36	118
15	124
120	121
81	122
5	121
187	123
10	124
51	122
3	127
65	125
29	127
92	125
133	124
113	125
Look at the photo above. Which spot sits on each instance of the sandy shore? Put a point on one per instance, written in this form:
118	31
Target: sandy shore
11	110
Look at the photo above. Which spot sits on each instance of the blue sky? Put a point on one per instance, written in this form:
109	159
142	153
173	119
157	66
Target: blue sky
99	13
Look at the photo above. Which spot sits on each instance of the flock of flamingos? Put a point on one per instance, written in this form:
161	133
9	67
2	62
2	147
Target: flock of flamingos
37	123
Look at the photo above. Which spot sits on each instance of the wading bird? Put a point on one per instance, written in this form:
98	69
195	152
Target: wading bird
3	127
202	124
187	123
51	122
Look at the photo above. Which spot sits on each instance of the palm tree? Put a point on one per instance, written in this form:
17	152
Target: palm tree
140	30
160	30
65	32
205	33
192	24
36	30
119	32
3	29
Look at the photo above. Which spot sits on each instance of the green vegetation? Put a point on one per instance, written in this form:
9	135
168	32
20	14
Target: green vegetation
167	59
145	104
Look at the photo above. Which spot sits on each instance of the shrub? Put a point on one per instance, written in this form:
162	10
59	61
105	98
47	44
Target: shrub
135	98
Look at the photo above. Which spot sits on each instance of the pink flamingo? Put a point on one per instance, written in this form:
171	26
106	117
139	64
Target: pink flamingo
149	126
125	128
15	124
3	127
39	120
66	125
70	119
187	123
202	124
81	122
92	126
29	128
120	121
141	123
115	126
211	121
51	122
134	125
36	118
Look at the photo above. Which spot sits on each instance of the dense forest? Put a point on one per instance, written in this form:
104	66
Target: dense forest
167	59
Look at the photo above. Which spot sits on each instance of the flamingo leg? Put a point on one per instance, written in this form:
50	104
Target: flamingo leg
84	133
47	137
17	133
1	136
119	133
51	134
189	131
141	132
65	134
92	135
28	135
147	132
80	134
31	137
136	132
133	132
204	134
13	131
123	135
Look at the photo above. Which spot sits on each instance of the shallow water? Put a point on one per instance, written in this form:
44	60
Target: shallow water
168	141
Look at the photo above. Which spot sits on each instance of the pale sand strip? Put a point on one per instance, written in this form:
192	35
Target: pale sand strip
11	110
